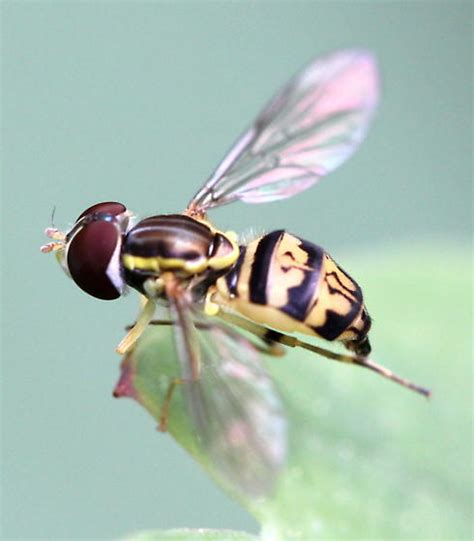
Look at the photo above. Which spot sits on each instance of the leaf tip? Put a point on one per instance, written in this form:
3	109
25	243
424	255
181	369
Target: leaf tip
125	386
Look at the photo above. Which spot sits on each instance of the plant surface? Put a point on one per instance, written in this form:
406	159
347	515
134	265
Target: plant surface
367	459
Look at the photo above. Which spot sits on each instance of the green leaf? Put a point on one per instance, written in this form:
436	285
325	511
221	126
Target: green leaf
367	458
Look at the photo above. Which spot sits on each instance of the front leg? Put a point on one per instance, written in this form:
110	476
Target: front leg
143	320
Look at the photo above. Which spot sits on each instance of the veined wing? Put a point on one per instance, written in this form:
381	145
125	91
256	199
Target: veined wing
232	401
308	129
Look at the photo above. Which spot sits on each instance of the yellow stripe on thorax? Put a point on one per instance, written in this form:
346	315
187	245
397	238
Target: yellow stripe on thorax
158	264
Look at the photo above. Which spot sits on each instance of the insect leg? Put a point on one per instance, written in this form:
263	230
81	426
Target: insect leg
270	347
165	407
270	335
136	331
271	339
152	322
364	362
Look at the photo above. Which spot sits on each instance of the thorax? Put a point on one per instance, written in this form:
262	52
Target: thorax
177	243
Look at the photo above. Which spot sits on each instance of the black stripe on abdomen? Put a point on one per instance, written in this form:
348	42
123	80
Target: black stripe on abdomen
232	278
300	297
336	324
261	266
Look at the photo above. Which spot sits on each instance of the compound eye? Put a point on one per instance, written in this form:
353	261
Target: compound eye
109	207
93	259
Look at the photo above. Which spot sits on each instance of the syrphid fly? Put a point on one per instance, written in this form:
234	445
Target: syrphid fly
274	286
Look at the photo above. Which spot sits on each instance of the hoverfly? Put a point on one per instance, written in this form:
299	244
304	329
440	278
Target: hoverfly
272	287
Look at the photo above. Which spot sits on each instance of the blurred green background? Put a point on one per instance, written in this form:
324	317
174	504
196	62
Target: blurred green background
137	102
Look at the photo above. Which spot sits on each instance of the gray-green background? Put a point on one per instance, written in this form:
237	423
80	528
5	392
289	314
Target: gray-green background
137	101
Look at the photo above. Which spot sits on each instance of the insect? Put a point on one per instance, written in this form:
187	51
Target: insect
272	287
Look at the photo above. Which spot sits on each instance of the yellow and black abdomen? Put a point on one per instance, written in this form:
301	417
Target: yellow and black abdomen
293	285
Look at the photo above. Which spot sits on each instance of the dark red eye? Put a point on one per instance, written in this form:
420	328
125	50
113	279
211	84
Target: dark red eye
109	207
93	259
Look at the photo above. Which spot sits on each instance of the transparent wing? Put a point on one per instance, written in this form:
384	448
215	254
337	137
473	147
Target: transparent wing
232	401
308	129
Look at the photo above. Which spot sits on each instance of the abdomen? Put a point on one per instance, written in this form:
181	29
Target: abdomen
293	285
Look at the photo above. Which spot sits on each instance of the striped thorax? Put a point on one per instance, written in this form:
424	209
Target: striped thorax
185	246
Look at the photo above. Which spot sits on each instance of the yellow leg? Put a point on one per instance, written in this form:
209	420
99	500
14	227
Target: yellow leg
136	331
269	336
271	343
365	363
142	300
